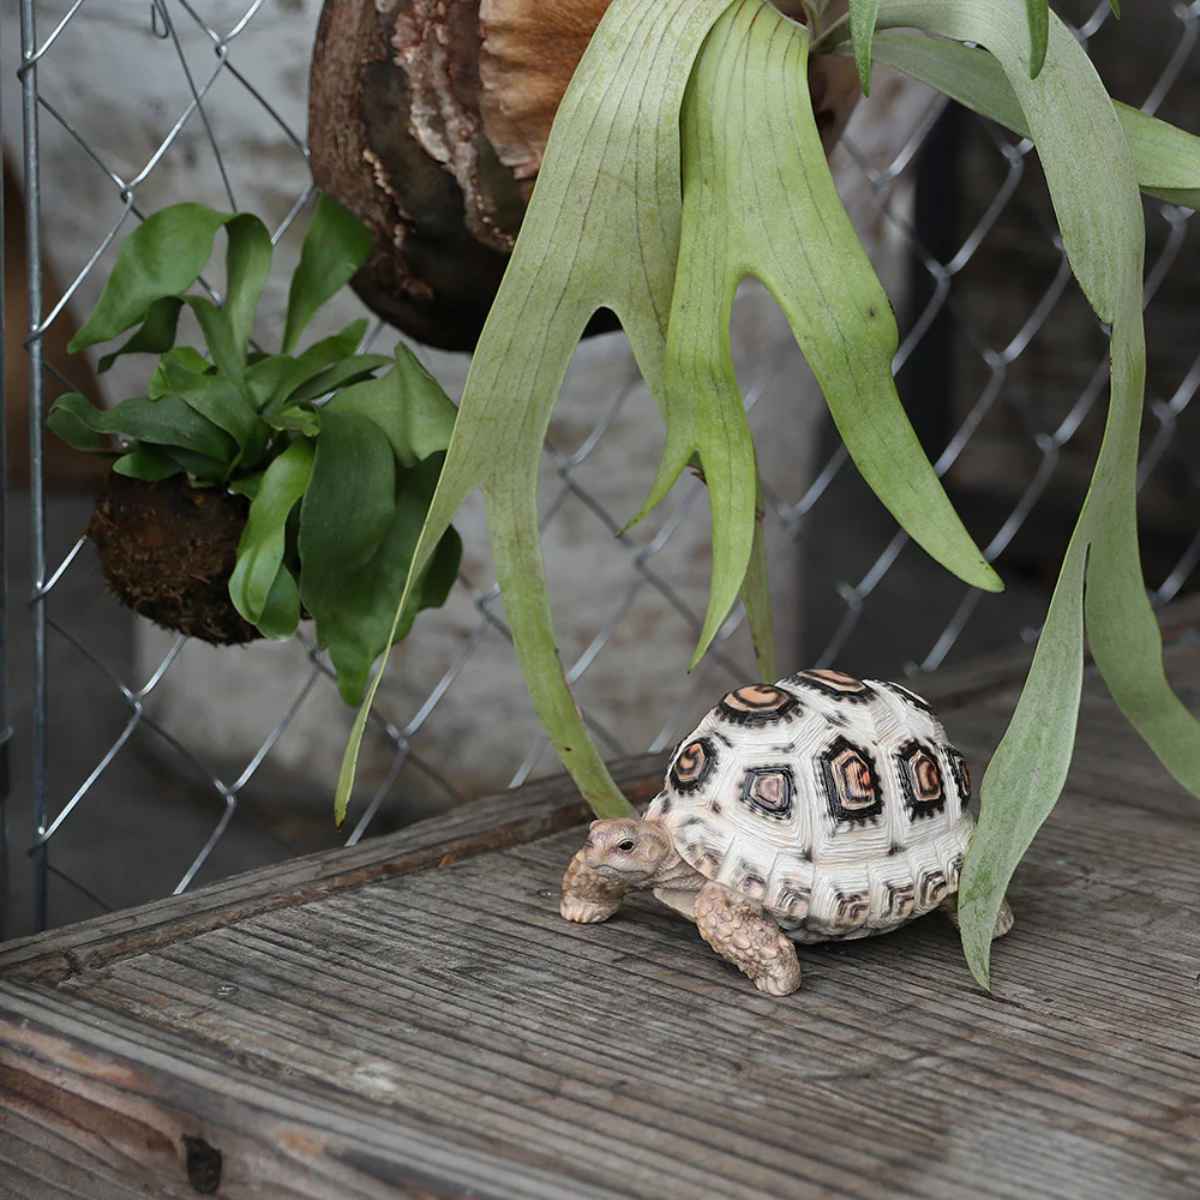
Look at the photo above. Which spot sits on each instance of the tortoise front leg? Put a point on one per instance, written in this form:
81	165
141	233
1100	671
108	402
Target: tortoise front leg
1004	918
741	932
588	896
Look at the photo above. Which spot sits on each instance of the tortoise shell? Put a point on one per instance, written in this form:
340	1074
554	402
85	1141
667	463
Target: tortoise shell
838	803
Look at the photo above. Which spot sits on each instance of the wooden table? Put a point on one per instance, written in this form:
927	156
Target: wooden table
411	1017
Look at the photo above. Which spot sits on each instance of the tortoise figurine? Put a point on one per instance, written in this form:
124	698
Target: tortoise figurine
822	808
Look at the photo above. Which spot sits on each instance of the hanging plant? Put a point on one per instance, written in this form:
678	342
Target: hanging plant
629	215
430	123
255	488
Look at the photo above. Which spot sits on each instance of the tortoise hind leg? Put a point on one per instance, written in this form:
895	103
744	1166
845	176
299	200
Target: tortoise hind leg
1004	918
742	933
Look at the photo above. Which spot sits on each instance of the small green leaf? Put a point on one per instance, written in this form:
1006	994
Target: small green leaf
349	371
348	506
408	404
219	400
336	245
247	263
247	485
162	257
268	375
198	467
260	550
1038	12
296	420
273	381
219	337
147	463
1115	5
169	422
863	14
354	609
182	358
70	419
281	613
165	422
156	335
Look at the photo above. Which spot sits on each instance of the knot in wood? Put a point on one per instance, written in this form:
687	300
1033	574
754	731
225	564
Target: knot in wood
203	1164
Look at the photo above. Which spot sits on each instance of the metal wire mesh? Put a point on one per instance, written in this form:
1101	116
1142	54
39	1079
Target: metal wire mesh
6	732
850	587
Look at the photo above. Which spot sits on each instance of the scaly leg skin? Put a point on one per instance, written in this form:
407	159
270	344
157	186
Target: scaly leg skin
741	932
1004	919
588	896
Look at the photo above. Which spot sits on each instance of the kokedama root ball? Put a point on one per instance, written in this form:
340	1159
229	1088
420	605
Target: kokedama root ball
168	550
428	119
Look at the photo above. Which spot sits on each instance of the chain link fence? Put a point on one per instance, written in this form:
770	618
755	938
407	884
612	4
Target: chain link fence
1002	366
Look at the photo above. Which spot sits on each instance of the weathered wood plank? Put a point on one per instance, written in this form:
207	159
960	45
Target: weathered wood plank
442	1032
35	1160
488	824
288	1141
460	992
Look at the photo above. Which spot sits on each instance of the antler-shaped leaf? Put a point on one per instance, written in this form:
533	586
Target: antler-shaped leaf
863	15
1077	132
335	246
162	257
601	230
1038	14
759	200
1166	159
260	550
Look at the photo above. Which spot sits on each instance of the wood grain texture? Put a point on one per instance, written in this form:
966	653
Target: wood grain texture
439	1030
487	824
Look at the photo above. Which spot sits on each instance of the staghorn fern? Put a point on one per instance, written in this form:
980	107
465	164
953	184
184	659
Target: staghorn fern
745	190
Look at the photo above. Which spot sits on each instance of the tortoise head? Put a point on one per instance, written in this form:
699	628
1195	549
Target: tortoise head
627	849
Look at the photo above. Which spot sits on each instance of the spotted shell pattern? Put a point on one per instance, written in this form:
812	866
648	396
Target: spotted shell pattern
837	802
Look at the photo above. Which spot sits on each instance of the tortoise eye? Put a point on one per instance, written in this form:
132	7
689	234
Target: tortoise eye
626	846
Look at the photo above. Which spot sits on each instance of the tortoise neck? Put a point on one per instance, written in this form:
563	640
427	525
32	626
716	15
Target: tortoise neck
674	870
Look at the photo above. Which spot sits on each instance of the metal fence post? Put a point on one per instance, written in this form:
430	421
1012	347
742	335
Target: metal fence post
5	729
29	113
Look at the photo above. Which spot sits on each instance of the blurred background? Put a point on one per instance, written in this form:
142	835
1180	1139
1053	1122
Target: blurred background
169	764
